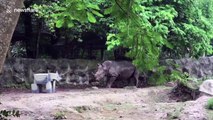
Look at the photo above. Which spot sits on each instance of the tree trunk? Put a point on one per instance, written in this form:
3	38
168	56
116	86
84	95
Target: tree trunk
8	21
39	24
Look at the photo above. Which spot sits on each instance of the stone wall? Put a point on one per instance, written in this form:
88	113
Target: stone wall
20	70
198	68
79	72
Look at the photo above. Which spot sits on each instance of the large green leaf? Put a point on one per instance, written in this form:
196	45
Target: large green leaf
97	13
93	6
70	24
59	23
108	10
91	17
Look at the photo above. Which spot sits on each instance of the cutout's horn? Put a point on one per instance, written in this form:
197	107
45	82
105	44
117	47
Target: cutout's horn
99	64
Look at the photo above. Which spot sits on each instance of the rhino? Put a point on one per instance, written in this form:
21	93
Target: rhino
116	70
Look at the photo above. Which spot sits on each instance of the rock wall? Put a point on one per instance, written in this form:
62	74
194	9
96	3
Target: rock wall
198	68
20	70
79	72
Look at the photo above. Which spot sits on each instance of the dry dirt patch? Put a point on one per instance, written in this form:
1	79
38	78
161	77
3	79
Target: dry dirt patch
104	104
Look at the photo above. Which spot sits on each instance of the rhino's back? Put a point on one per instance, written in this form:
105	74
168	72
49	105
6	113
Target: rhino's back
122	64
124	69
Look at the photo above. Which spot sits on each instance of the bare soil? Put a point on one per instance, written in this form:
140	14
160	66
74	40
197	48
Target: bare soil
151	103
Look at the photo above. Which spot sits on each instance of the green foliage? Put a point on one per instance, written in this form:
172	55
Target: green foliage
59	115
7	113
141	28
112	41
24	85
182	78
210	104
81	109
185	80
145	27
194	25
67	13
159	77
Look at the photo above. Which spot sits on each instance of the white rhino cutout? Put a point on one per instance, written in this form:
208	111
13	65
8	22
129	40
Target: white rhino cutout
207	87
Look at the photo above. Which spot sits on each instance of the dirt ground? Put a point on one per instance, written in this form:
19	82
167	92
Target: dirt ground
151	103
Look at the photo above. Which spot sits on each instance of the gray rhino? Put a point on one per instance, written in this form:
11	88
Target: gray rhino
113	70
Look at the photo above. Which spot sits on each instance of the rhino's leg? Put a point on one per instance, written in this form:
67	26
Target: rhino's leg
130	83
136	76
110	82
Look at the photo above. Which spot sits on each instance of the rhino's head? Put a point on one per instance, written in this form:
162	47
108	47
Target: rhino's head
55	76
101	72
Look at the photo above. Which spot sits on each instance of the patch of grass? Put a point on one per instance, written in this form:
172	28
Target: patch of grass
210	115
209	107
210	104
20	86
7	113
81	109
175	114
111	107
59	115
